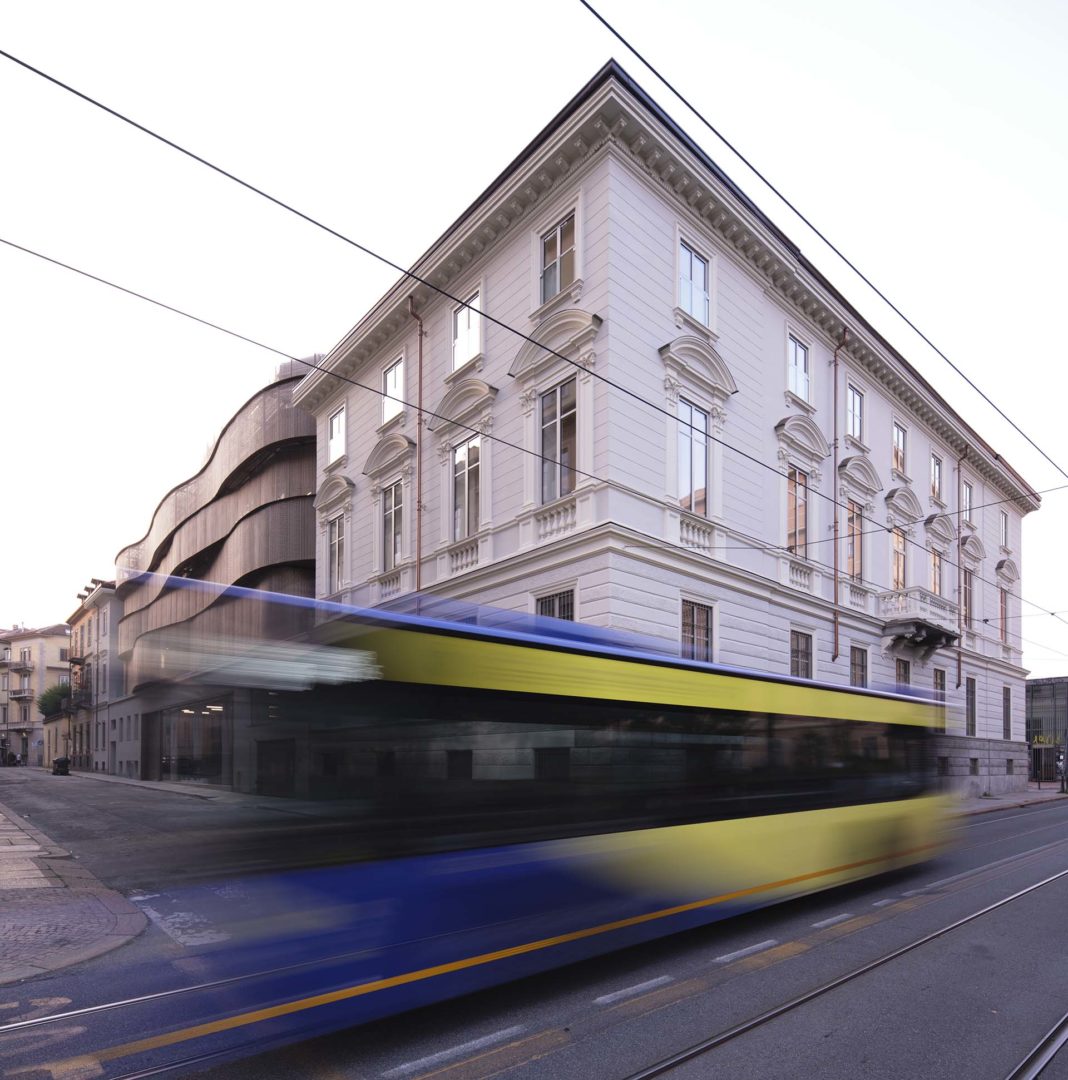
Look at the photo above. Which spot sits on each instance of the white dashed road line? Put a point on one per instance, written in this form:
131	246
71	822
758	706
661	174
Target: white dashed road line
632	991
884	903
726	958
832	922
453	1052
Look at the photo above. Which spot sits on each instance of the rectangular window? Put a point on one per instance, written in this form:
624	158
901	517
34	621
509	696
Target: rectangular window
966	596
797	511
558	441
940	685
943	766
560	605
1006	712
797	366
969	707
858	666
899	457
335	435
336	554
854	541
903	672
1009	766
854	412
936	477
1004	529
936	572
693	458
466	332
966	500
696	631
393	388
897	562
973	766
465	488
558	258
800	655
1003	613
392	524
552	763
104	680
693	283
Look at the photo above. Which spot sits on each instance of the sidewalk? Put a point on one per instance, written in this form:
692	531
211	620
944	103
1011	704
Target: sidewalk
53	912
985	804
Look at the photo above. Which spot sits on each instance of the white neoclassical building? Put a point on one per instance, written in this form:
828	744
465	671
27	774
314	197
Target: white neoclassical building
693	436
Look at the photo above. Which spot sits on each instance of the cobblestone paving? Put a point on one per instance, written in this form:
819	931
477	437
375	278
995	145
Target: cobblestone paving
53	912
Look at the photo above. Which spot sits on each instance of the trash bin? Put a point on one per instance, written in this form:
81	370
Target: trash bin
61	766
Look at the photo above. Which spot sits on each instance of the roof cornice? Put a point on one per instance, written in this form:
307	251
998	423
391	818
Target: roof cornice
613	114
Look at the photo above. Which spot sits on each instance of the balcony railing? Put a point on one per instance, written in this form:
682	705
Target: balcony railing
918	604
463	556
20	693
20	664
557	519
695	533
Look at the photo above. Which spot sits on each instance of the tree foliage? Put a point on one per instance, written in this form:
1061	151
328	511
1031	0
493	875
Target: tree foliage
50	701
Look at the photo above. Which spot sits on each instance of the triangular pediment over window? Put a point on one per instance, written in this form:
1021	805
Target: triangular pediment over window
569	332
389	453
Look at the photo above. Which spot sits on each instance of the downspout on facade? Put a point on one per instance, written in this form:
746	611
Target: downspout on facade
420	422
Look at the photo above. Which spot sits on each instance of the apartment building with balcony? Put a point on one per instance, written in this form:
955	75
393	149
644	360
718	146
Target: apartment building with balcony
692	435
96	680
245	519
31	661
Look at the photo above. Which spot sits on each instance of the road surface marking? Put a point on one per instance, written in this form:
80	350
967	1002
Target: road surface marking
454	1052
883	903
832	921
726	958
631	991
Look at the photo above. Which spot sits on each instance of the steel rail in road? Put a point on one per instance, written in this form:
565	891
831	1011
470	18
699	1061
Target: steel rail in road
1046	1050
705	1045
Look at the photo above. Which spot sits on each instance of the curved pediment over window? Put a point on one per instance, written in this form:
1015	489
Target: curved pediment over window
335	493
1008	570
859	471
801	435
693	362
464	402
973	548
903	506
390	453
569	332
940	526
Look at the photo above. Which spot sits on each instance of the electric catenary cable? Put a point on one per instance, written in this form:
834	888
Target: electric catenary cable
802	217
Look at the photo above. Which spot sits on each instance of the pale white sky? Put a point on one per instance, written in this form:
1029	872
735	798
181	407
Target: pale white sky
927	139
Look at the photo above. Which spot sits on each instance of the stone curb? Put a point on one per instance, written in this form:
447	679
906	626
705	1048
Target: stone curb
126	920
1008	804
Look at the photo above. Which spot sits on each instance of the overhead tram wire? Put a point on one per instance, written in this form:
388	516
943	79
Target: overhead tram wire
401	270
837	251
650	541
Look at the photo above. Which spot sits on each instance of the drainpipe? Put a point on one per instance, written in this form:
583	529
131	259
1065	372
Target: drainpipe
834	501
960	576
418	456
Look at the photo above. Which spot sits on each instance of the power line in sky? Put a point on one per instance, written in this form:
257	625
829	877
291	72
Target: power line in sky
822	236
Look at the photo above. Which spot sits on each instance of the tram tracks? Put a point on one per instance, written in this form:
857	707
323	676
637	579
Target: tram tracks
1030	1068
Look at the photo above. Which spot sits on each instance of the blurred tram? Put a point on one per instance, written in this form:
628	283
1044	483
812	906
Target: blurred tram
472	804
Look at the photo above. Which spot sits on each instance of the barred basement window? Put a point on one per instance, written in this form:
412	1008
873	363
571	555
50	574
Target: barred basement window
973	766
1010	766
943	766
559	605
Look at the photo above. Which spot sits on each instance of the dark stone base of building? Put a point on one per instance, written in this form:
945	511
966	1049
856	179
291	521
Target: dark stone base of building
975	767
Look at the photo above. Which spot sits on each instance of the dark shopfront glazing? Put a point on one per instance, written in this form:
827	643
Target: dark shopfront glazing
196	743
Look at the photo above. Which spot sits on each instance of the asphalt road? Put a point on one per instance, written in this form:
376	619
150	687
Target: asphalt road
969	1004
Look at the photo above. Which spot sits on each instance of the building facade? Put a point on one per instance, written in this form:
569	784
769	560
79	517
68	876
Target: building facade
31	661
96	679
246	519
644	409
1047	725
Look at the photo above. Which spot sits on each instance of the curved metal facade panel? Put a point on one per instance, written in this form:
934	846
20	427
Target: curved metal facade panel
268	420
